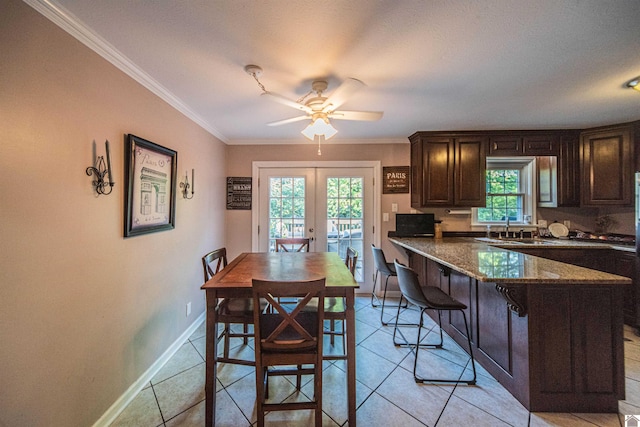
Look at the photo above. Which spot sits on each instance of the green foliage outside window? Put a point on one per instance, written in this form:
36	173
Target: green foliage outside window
504	196
344	198
286	207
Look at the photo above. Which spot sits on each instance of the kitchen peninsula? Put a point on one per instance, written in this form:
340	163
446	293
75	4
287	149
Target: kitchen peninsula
550	332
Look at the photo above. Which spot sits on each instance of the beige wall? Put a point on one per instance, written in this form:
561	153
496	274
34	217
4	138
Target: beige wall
239	163
84	311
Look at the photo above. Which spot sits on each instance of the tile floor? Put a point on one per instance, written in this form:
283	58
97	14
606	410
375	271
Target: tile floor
386	392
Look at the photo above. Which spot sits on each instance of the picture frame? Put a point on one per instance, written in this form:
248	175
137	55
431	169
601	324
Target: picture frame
150	187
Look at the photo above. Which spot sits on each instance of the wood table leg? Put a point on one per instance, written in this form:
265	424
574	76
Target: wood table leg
351	357
211	359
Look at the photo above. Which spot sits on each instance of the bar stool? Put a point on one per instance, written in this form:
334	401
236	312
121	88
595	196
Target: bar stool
387	269
429	298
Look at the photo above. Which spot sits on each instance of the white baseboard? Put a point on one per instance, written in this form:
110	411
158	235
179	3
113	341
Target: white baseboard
118	406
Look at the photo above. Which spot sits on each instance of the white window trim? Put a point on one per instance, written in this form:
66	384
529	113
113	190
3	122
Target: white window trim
527	166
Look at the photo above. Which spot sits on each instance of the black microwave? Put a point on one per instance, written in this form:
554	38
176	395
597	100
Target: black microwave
415	225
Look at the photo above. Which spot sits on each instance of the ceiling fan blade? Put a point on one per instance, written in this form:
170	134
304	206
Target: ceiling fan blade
357	115
286	101
285	121
342	94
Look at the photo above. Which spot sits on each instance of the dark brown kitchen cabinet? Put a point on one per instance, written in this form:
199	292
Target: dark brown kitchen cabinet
531	143
607	260
505	145
625	264
569	170
607	159
447	170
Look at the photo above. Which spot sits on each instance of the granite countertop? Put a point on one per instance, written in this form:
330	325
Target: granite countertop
489	263
559	244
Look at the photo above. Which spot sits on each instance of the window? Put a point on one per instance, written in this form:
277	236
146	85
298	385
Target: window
510	192
286	208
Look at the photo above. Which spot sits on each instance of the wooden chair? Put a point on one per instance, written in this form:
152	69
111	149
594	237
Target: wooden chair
429	298
293	244
286	336
230	310
335	309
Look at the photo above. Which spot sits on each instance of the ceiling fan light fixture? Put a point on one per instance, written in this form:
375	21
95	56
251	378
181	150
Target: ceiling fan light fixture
319	126
634	84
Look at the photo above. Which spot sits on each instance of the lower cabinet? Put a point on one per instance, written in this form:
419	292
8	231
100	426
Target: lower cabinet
607	260
626	264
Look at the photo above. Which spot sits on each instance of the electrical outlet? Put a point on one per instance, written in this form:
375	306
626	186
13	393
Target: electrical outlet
542	223
567	224
188	309
394	207
385	216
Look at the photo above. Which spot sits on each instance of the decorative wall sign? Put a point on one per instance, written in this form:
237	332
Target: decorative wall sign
239	193
395	179
150	188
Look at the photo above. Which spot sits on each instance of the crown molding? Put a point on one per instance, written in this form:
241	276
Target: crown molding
304	141
76	28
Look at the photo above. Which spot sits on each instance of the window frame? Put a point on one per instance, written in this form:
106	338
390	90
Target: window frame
528	189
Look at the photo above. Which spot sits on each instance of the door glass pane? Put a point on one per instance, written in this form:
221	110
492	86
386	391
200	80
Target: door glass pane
345	218
286	208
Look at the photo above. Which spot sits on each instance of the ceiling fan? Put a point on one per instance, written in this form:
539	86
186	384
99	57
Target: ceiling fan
319	108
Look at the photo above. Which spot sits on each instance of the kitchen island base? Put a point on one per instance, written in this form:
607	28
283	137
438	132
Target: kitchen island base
557	347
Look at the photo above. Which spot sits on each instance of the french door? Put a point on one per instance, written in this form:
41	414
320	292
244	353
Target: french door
334	207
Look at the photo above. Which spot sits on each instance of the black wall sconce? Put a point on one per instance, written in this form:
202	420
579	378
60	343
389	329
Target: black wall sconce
100	170
186	186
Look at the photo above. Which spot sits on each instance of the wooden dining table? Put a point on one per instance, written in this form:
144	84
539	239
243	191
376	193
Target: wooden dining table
234	281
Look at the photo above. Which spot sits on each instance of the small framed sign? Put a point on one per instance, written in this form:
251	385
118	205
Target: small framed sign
395	179
239	193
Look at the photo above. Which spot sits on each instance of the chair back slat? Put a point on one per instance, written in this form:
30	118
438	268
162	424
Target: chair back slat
292	244
213	262
351	260
284	328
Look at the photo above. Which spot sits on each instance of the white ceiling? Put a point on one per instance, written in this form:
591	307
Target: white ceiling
429	65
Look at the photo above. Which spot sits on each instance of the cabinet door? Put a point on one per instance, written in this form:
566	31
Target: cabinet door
569	171
540	145
625	265
607	167
416	174
505	146
437	174
470	171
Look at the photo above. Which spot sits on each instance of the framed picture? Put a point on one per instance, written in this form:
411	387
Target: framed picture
150	187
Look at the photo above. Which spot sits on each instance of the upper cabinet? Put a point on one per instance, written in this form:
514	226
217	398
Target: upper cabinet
531	143
594	167
447	169
569	170
608	163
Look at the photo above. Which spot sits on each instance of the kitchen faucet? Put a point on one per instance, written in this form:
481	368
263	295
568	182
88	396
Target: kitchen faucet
507	228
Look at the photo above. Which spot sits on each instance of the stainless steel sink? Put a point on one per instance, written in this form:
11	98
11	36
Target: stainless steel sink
516	241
